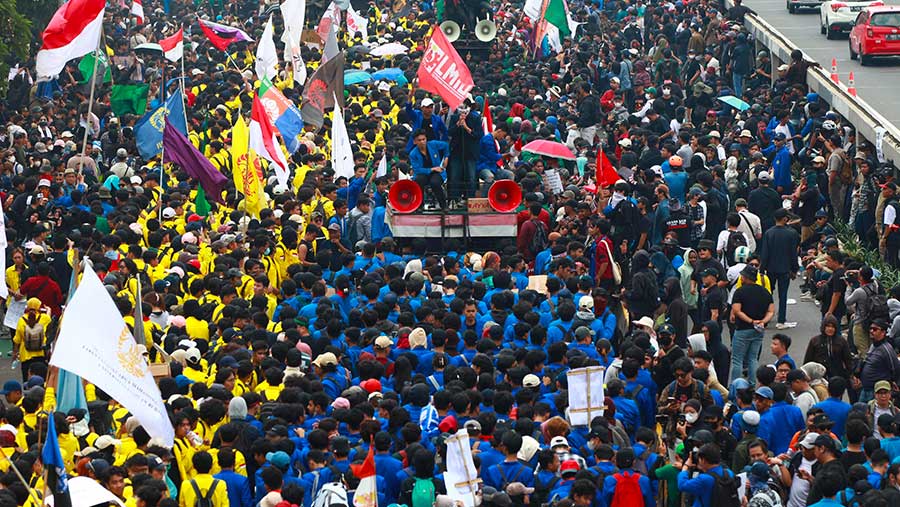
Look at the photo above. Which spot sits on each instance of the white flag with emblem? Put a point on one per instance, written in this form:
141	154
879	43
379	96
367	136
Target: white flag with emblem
95	344
341	149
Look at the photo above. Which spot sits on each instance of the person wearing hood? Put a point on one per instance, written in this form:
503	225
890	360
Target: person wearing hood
676	308
830	349
643	295
689	290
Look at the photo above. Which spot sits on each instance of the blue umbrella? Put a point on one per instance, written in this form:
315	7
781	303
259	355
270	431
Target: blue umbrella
391	74
735	102
356	77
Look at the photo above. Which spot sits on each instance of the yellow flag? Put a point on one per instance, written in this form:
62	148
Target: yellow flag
246	169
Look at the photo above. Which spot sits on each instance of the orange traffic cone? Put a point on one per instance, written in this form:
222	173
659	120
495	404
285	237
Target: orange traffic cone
834	74
851	87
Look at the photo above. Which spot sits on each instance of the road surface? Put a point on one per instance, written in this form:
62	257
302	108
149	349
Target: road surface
876	84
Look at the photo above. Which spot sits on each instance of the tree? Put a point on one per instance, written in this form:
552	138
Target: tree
14	44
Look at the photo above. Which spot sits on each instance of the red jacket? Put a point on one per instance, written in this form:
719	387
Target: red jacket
525	241
45	289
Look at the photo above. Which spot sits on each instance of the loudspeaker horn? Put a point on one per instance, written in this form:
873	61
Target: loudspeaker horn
486	30
451	29
505	196
405	196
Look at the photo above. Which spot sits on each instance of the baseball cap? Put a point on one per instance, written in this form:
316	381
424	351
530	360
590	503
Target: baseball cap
11	386
278	459
765	392
327	359
881	385
383	342
809	441
531	380
828	443
569	466
583	332
558	441
819	159
745	133
750	418
763	176
427	102
625	143
104	441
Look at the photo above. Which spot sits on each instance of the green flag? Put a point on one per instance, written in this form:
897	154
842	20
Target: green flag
87	65
201	205
556	15
129	99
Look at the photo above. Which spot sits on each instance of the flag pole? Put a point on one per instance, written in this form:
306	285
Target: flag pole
31	492
90	104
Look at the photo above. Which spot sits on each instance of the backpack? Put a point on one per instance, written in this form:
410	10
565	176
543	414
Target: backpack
331	494
633	393
422	493
540	242
876	305
735	239
628	490
352	233
542	491
765	498
725	490
34	337
640	463
204	500
506	481
846	172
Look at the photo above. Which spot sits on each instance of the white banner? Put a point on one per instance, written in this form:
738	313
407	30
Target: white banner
95	343
357	23
266	56
341	149
585	394
460	478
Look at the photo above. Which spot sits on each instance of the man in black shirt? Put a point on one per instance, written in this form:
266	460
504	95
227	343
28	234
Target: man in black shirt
752	308
712	301
835	286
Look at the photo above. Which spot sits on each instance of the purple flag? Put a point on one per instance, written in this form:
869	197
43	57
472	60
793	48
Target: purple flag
179	150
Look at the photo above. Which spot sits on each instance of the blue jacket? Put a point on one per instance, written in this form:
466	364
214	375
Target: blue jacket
437	152
506	472
488	155
781	166
610	483
778	425
701	486
837	411
380	229
416	119
238	488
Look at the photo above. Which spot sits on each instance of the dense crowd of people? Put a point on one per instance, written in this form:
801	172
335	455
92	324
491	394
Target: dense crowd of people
297	338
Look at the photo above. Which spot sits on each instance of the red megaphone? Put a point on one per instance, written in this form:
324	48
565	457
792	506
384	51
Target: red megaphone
405	196
505	196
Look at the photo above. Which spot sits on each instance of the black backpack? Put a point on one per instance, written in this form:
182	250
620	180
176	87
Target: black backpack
568	334
204	500
725	490
540	242
876	305
735	239
542	491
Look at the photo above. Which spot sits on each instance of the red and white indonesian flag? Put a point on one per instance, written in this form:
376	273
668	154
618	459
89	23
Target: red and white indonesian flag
264	142
173	46
366	494
73	32
137	10
443	71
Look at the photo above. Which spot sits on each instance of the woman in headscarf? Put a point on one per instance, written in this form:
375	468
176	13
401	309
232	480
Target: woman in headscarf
689	289
817	380
643	296
663	268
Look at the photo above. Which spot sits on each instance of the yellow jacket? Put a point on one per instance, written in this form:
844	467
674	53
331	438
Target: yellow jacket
187	495
19	337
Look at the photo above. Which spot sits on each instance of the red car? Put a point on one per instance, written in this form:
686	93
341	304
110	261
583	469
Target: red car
876	32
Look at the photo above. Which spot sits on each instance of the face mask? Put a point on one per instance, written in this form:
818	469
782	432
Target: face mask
80	428
112	255
691	417
268	251
666	91
618	104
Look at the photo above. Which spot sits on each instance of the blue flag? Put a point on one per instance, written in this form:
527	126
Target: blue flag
148	131
69	388
51	456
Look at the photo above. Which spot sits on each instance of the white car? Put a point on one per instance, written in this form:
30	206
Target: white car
838	16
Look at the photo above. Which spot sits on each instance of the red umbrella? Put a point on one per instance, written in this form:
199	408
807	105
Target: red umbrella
549	149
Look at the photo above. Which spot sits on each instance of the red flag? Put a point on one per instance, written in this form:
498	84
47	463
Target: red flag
487	119
443	71
222	35
606	173
366	494
137	10
173	47
74	31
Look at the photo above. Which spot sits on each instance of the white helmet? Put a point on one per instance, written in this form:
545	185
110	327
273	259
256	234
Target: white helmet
741	254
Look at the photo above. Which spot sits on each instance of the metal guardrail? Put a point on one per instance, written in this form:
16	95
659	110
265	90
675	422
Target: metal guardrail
856	110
